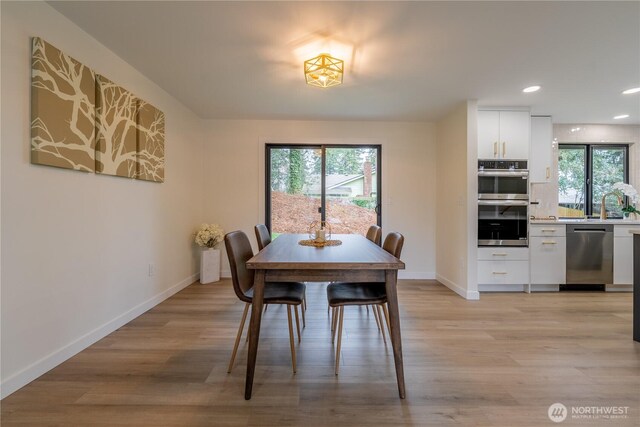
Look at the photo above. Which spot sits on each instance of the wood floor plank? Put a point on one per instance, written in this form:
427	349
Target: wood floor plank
498	361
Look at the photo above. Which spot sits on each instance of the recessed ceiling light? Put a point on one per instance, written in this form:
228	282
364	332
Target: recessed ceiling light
632	90
575	129
621	116
531	89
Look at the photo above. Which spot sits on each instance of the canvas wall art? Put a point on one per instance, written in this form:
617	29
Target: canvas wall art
150	156
115	129
82	120
62	109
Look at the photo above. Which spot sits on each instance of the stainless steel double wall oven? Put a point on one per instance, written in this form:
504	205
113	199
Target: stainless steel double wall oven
503	203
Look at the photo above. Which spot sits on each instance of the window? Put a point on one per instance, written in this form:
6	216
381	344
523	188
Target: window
586	173
339	184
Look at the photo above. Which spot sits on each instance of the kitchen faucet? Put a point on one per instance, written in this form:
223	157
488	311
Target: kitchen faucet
603	208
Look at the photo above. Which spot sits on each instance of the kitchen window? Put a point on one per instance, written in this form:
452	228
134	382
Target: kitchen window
586	172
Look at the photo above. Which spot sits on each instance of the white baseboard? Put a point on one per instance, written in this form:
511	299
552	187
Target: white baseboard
502	288
225	274
464	293
416	275
518	288
619	288
36	369
545	288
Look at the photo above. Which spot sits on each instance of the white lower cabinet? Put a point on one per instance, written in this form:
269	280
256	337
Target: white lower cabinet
548	245
503	266
623	254
548	260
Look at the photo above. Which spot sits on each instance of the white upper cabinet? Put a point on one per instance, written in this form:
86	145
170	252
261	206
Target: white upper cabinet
541	158
488	134
503	134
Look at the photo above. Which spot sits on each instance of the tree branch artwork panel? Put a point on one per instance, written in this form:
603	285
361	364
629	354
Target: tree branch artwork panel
62	109
150	157
115	129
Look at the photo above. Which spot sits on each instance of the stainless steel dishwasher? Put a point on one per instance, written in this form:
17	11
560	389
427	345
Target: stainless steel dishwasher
589	254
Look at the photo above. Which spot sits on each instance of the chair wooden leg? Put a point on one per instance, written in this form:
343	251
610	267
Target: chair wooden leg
341	309
304	300
235	346
376	316
336	312
333	318
293	349
304	321
380	315
295	310
386	317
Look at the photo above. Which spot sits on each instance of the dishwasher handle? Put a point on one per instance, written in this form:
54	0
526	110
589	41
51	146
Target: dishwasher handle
590	230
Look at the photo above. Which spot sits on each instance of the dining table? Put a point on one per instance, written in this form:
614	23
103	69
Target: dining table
356	259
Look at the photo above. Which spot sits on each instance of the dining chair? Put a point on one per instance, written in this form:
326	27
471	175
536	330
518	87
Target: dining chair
264	238
342	294
262	235
287	293
374	234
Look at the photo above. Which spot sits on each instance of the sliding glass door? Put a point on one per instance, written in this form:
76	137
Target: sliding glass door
339	184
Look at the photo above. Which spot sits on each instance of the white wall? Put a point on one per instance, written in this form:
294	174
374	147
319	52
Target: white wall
234	176
456	200
75	246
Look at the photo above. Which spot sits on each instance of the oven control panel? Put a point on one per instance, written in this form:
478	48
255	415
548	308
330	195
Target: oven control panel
502	164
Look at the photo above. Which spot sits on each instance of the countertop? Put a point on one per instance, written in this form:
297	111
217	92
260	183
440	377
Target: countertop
586	221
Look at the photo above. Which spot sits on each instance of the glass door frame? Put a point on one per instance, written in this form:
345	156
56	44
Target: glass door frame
323	159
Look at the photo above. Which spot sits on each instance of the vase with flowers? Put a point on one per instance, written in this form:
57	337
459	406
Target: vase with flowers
208	236
621	189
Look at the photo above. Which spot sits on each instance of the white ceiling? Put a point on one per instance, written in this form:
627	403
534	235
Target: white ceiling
408	60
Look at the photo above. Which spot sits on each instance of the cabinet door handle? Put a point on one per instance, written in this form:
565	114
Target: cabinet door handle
548	230
504	149
499	272
498	254
548	173
495	149
549	243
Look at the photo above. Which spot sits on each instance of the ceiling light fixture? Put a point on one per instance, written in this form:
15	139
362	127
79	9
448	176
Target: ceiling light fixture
630	91
323	71
621	116
531	89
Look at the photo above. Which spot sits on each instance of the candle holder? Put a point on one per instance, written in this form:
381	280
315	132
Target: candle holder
320	231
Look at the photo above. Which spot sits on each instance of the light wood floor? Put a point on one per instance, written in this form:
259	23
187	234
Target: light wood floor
498	361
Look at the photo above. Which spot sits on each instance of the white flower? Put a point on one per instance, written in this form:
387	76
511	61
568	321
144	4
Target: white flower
627	190
209	235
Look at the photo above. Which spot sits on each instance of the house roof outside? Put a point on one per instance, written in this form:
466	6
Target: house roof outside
337	185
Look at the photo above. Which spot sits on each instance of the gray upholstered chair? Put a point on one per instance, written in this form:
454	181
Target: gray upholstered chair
374	234
262	235
264	238
340	294
290	294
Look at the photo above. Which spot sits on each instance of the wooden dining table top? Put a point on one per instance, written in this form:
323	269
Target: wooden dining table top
355	253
